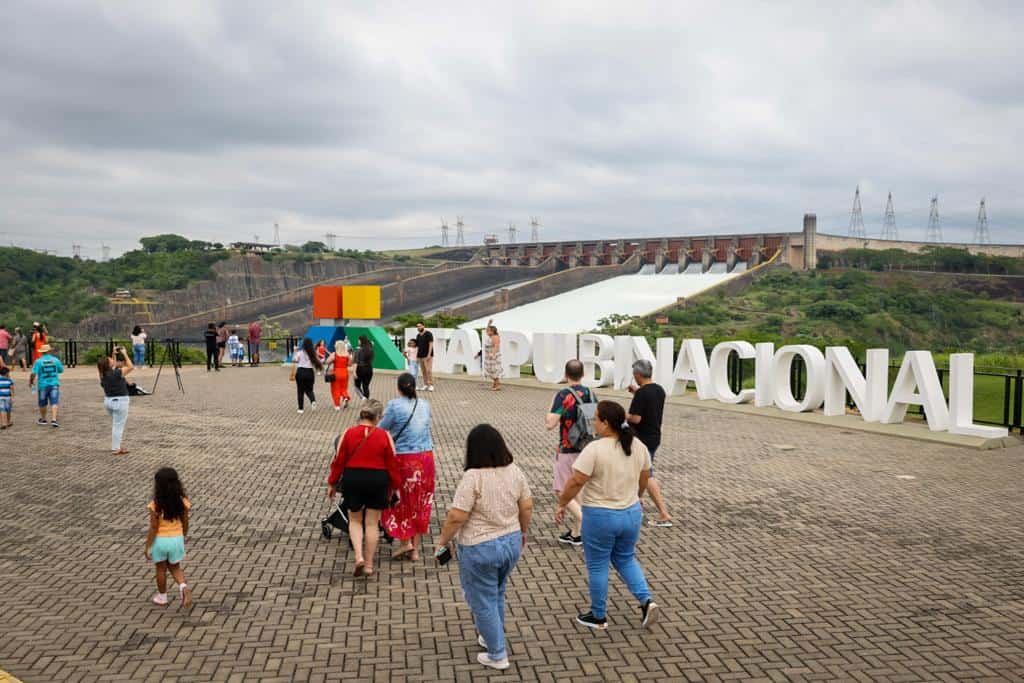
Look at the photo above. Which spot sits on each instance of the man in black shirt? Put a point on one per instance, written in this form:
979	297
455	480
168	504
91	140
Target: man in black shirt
425	355
645	413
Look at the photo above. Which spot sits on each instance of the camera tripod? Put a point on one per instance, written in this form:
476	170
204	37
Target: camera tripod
170	353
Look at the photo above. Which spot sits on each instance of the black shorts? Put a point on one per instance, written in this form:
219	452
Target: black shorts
221	345
363	488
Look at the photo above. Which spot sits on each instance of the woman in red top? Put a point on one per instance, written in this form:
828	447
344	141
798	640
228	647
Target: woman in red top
368	470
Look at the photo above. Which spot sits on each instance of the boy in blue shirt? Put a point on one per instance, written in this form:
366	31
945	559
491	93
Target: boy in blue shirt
48	369
6	397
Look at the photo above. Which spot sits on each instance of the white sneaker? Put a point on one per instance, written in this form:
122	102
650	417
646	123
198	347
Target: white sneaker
431	388
337	407
160	599
300	411
486	660
481	642
312	406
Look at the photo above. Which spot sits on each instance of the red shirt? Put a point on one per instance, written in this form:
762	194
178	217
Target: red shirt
376	453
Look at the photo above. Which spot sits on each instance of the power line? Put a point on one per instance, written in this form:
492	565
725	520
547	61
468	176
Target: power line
889	231
277	235
981	235
76	251
934	233
857	217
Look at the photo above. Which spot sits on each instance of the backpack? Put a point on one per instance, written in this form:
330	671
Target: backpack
580	433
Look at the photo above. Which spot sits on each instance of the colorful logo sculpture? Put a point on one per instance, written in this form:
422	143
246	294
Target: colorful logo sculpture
349	312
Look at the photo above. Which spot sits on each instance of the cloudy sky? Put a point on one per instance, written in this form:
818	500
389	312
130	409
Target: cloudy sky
375	120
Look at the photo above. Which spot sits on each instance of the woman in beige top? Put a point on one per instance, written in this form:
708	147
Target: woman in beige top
490	514
613	473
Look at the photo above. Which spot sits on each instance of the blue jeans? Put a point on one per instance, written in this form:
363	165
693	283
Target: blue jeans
484	570
139	354
611	536
117	408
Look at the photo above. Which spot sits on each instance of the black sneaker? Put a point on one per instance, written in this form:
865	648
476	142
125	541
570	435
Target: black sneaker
649	610
590	621
569	539
41	422
54	424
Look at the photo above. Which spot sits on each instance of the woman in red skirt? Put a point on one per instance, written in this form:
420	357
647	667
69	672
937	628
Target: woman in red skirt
338	361
407	418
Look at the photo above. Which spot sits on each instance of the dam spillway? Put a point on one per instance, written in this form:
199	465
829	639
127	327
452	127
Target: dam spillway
580	309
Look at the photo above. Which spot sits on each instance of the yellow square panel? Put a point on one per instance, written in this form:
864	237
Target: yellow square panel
361	302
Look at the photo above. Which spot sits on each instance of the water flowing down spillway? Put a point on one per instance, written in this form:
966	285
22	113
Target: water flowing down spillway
580	309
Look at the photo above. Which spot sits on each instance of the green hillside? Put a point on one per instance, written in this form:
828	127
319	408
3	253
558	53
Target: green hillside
859	309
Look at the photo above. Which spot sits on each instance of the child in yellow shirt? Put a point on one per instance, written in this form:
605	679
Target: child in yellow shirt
168	525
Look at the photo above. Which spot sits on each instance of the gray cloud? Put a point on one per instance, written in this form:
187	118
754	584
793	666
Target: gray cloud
218	119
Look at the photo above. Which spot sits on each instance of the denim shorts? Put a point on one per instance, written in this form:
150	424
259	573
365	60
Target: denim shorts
5	404
169	549
49	396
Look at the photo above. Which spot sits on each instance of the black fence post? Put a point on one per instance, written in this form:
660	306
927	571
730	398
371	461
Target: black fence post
1006	400
110	347
1018	394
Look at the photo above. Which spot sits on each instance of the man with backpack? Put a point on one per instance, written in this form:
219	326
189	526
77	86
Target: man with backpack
572	412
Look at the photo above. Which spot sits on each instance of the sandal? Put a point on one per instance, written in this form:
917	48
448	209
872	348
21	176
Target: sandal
369	572
358	571
403	553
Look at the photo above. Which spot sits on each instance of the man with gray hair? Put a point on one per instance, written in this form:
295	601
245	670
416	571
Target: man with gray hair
645	413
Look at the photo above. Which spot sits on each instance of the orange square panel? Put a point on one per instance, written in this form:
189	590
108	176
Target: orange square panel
327	302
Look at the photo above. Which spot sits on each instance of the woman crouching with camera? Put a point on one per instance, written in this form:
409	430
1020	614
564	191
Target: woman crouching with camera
490	516
367	468
115	390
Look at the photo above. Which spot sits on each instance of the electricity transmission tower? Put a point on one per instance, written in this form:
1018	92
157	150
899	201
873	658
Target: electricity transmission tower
934	233
889	231
534	229
857	217
76	251
277	235
330	237
460	235
106	252
444	233
512	233
981	235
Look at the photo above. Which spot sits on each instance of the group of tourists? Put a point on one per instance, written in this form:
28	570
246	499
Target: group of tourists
222	340
309	360
384	469
33	354
20	350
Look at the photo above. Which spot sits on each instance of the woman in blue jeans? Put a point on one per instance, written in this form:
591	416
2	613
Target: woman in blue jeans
612	473
115	391
489	517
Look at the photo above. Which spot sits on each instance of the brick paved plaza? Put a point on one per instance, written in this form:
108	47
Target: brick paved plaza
802	552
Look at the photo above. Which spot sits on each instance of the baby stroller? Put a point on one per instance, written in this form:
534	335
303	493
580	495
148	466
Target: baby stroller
338	518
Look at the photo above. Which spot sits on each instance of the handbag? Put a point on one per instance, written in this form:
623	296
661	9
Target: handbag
329	377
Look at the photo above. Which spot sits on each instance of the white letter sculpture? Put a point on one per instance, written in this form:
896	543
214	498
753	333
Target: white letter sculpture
814	361
515	353
692	364
764	355
461	350
843	375
720	371
961	399
917	373
551	351
596	355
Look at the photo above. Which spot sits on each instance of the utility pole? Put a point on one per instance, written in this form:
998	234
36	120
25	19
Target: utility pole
889	231
981	235
511	233
857	217
934	233
534	229
277	235
460	235
76	251
330	240
444	233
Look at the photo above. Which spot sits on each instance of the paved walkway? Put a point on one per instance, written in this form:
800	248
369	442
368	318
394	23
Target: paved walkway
803	552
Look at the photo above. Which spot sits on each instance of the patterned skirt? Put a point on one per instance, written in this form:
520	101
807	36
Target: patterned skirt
492	365
411	517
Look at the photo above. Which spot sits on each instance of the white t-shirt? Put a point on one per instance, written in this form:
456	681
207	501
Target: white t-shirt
614	476
138	339
302	360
